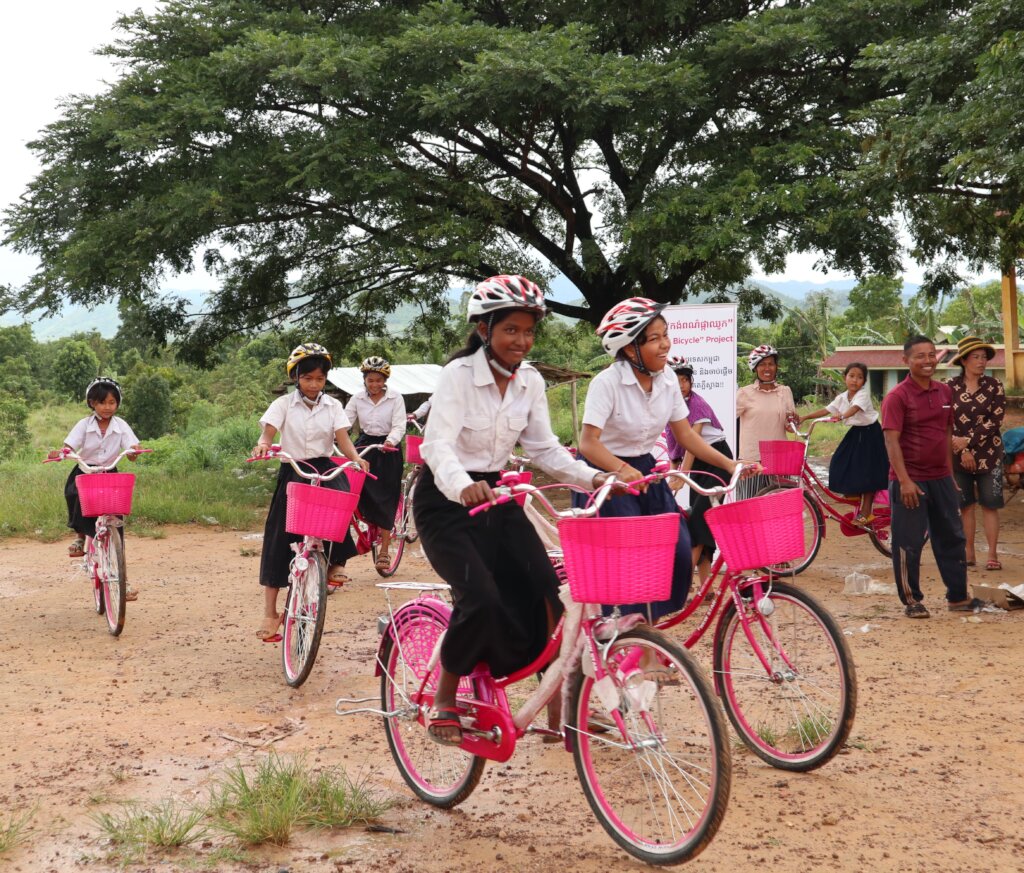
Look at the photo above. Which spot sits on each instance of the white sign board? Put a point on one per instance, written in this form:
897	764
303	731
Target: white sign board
705	334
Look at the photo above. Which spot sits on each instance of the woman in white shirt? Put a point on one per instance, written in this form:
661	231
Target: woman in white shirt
379	411
860	465
504	588
309	423
626	409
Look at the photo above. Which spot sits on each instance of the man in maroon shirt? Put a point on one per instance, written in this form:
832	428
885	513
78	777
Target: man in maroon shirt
917	419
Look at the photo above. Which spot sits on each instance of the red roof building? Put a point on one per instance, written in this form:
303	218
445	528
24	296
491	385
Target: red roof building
886	368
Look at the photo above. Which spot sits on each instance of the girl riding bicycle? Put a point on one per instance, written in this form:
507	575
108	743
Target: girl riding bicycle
504	588
627	407
98	438
310	423
859	465
379	412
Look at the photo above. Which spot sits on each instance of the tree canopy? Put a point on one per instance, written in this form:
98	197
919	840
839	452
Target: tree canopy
334	157
951	145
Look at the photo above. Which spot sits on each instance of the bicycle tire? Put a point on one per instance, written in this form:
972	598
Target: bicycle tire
443	776
814	525
304	613
411	534
792	720
661	792
397	548
113	578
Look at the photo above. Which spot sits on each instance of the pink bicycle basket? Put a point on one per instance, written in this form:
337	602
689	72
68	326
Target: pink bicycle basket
620	560
105	493
315	511
760	531
412	449
356	480
782	457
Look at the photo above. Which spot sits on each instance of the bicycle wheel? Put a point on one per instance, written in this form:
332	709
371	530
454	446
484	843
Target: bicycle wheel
113	577
304	614
660	791
814	525
443	776
411	534
92	569
397	543
879	533
798	715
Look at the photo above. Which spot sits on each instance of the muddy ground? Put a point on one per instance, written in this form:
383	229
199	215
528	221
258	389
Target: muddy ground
932	780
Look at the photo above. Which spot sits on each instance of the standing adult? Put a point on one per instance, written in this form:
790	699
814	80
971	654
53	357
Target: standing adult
917	421
764	409
979	405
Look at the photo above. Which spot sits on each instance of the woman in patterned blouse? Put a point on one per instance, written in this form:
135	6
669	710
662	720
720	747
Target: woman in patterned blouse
978	408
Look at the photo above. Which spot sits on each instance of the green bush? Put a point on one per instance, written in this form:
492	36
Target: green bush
149	407
14	435
74	367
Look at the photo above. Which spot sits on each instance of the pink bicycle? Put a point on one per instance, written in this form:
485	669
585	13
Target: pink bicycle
787	461
317	514
107	497
648	739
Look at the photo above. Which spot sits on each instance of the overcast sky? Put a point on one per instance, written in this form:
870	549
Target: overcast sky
47	52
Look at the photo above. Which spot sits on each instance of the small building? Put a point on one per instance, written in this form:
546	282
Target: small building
886	368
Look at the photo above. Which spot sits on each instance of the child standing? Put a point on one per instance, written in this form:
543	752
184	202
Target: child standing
504	588
860	465
627	407
379	411
310	423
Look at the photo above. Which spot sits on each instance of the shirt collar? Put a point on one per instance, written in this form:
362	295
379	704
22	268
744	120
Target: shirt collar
932	385
484	375
297	399
94	423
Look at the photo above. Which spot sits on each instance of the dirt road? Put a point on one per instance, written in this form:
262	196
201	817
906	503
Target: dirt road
931	782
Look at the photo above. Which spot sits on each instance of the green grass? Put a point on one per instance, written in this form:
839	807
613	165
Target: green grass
199	478
266	806
135	829
12	829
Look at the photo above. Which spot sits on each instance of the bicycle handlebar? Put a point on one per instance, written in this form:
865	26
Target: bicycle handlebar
509	486
67	453
814	422
275	453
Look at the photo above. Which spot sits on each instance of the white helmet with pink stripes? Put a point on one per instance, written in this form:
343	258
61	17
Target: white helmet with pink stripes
626	321
505	292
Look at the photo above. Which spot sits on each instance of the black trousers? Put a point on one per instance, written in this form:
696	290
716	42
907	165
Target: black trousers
937	513
500	576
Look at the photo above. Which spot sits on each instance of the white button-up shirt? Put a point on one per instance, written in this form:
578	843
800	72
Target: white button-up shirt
473	428
305	432
385	418
862	399
630	419
100	449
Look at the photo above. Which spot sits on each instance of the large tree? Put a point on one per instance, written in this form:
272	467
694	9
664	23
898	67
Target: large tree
336	156
951	145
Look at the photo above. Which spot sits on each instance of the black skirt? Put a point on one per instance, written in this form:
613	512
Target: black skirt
860	464
277	552
83	525
500	576
378	501
700	533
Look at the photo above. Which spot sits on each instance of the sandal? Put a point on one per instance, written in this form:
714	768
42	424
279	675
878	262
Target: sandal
863	520
994	565
77	548
444	718
337	577
916	610
130	594
383	561
268	631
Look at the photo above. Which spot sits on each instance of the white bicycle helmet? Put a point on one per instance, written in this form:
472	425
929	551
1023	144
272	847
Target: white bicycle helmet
104	380
505	292
680	365
626	321
759	354
307	350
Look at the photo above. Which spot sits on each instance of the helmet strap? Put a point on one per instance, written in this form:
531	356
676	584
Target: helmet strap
638	364
496	365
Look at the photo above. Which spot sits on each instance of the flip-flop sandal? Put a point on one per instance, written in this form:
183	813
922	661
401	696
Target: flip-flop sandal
268	631
131	595
383	561
76	549
993	565
337	577
444	718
